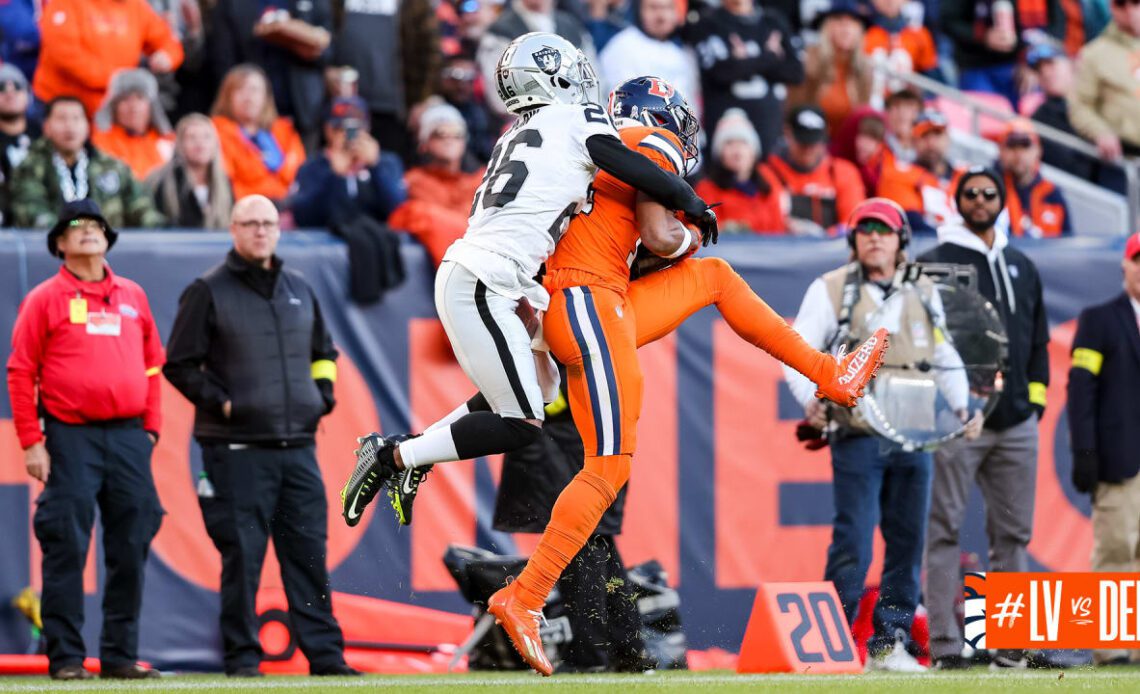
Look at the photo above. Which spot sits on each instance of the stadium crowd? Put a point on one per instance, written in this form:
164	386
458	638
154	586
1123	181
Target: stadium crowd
170	113
389	108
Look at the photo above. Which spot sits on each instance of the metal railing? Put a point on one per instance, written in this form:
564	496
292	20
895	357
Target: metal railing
1130	167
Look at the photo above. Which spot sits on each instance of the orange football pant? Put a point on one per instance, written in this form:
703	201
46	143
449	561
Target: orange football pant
595	333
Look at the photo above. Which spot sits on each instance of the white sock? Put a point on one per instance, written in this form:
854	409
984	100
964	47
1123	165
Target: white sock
435	446
448	418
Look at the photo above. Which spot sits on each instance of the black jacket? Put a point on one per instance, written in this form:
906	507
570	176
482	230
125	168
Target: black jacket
1023	314
1103	414
756	83
298	84
251	336
1054	112
534	476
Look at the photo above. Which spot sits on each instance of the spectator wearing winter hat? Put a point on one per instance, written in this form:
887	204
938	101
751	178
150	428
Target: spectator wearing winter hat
823	189
837	72
751	199
1035	207
650	47
17	131
1003	460
131	125
351	176
441	189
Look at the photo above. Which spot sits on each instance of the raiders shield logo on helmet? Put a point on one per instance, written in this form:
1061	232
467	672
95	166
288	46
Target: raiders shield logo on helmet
549	60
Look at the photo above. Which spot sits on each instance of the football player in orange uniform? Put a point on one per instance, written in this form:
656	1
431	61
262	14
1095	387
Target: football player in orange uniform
597	319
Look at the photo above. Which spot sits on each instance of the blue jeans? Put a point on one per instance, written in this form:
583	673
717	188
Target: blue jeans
877	483
996	79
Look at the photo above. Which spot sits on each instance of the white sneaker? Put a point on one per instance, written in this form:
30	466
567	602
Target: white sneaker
1004	662
897	660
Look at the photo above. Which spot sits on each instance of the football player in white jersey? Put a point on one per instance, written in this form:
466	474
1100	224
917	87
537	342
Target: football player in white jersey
486	291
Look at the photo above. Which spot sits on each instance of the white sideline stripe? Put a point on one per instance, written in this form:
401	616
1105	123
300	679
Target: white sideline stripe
605	407
175	682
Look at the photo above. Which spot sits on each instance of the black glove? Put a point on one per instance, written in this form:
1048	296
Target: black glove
707	224
325	386
1086	471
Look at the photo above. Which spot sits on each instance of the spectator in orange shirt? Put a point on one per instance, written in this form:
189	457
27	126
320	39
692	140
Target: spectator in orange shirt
924	188
823	189
1035	207
751	200
261	150
84	42
837	73
441	190
131	124
902	108
897	44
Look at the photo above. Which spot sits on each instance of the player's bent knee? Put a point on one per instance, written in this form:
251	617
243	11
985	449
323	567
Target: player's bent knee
614	469
523	432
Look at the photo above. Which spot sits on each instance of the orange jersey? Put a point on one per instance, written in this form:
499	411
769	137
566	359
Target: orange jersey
601	240
910	50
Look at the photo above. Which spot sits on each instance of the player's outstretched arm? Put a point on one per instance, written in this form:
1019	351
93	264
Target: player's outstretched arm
637	170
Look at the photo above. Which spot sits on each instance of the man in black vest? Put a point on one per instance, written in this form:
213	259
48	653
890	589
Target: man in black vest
1104	427
249	348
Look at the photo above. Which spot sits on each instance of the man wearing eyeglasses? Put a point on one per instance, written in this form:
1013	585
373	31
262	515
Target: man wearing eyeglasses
249	348
1104	105
1003	460
876	482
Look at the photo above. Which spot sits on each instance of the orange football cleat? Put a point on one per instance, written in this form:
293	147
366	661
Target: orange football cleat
856	370
521	626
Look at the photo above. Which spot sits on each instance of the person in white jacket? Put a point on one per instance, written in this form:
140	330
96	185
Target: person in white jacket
649	47
877	481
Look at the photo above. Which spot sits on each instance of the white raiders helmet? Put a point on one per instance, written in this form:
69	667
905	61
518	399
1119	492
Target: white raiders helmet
538	69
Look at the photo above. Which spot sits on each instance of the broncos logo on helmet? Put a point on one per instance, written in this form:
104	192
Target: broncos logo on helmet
654	102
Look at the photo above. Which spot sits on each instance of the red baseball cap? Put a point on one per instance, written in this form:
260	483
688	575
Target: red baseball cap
1132	247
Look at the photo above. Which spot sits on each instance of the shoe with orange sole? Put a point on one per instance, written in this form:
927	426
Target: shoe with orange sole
856	370
521	626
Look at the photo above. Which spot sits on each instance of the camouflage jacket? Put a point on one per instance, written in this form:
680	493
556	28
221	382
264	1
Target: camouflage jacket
36	196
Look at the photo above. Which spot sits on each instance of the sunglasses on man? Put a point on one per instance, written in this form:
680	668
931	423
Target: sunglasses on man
1122	3
874	226
11	86
987	194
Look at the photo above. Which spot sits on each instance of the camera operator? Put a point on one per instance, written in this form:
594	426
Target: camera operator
876	480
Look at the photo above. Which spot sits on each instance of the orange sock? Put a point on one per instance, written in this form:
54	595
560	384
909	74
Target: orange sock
576	514
753	319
